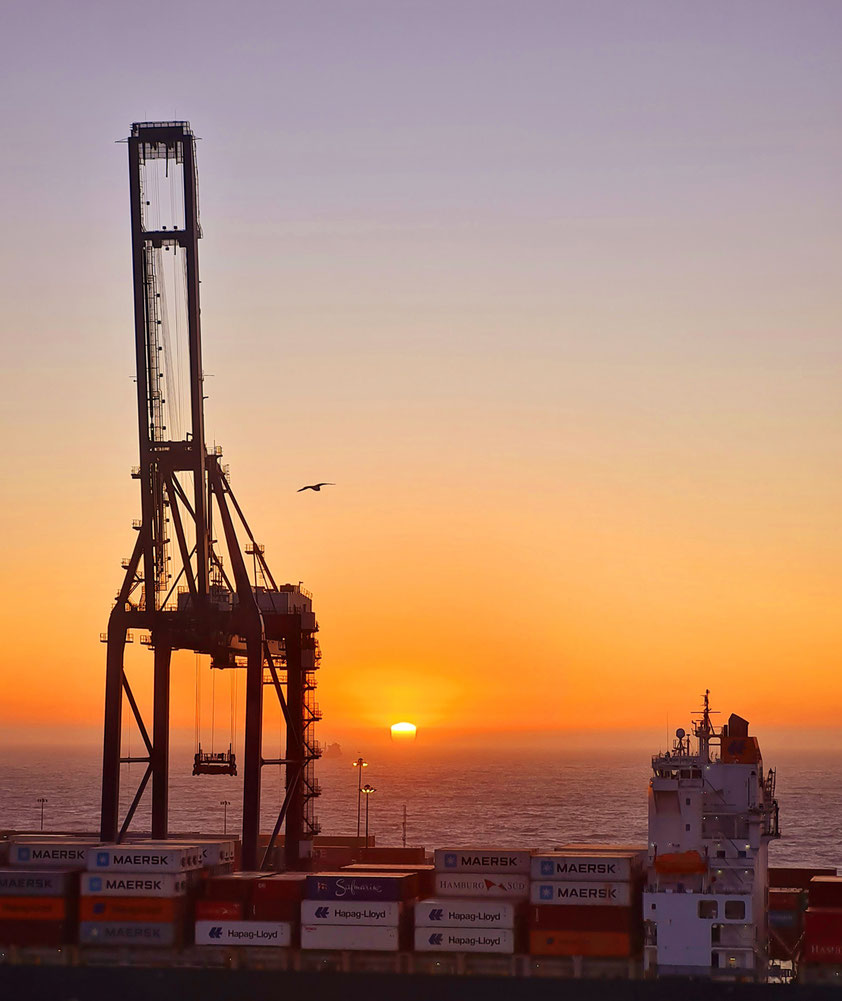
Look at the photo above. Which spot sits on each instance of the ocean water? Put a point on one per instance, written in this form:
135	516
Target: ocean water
508	798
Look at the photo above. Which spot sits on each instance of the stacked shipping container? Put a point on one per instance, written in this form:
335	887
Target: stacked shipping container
823	926
586	903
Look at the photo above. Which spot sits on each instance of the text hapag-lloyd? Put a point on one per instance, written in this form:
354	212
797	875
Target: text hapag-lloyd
474	939
474	916
251	935
359	913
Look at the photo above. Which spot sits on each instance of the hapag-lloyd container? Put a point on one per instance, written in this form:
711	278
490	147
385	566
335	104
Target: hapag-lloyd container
333	912
132	884
493	861
343	886
250	933
464	940
33	908
47	854
452	912
363	938
155	909
37	883
592	894
146	858
602	868
128	933
466	885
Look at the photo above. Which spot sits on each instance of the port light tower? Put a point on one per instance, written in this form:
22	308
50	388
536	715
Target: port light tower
183	586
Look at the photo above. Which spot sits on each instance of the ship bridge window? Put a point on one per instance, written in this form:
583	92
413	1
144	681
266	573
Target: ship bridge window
735	910
708	909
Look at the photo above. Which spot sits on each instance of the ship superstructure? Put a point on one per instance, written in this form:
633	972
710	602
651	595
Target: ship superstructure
712	813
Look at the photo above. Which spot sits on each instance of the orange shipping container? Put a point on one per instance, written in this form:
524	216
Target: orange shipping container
571	943
156	909
33	908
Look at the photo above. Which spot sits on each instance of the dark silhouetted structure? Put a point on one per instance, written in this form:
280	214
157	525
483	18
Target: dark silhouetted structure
189	590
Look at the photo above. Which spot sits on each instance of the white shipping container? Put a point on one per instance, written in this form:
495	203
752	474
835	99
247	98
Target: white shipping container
143	858
133	884
577	894
47	854
578	866
361	938
334	912
461	913
251	933
494	861
466	885
464	940
127	933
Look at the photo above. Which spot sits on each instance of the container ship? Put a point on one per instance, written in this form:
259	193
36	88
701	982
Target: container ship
699	901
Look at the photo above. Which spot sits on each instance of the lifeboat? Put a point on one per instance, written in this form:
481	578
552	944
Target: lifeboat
680	863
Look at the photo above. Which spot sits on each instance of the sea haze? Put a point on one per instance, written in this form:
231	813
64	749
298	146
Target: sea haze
507	799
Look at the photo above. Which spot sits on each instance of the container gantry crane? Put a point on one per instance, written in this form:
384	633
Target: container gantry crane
183	587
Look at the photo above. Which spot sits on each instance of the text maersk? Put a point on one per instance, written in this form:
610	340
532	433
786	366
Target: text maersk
578	868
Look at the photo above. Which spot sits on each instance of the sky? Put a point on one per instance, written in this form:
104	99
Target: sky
549	289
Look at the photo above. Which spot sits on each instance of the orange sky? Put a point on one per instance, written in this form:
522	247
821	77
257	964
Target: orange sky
555	305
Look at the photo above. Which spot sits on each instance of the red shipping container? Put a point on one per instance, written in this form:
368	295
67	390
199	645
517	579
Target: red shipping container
33	908
628	920
219	910
781	899
825	891
571	943
280	886
387	856
789	878
235	886
332	857
161	910
823	936
13	932
275	910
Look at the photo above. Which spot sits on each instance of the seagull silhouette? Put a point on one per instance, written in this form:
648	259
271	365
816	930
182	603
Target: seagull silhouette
315	486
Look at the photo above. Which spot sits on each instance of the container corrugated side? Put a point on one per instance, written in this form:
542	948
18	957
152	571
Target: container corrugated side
132	884
128	933
244	933
618	868
574	894
499	940
490	861
333	912
37	882
585	918
47	933
362	938
129	858
281	886
825	891
467	885
455	912
572	943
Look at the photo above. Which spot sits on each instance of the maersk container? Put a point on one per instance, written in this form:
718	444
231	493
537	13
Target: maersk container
250	933
492	861
617	868
355	938
466	885
464	940
133	858
128	933
47	854
451	912
131	884
573	894
333	912
344	886
37	882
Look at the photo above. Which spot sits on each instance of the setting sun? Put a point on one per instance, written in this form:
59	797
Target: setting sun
403	731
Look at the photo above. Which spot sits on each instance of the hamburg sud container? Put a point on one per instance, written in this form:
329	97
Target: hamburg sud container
362	911
135	894
37	906
586	903
450	924
482	872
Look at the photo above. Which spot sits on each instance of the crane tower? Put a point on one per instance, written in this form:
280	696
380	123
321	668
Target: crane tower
186	589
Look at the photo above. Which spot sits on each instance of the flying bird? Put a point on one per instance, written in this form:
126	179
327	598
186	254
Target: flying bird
315	486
